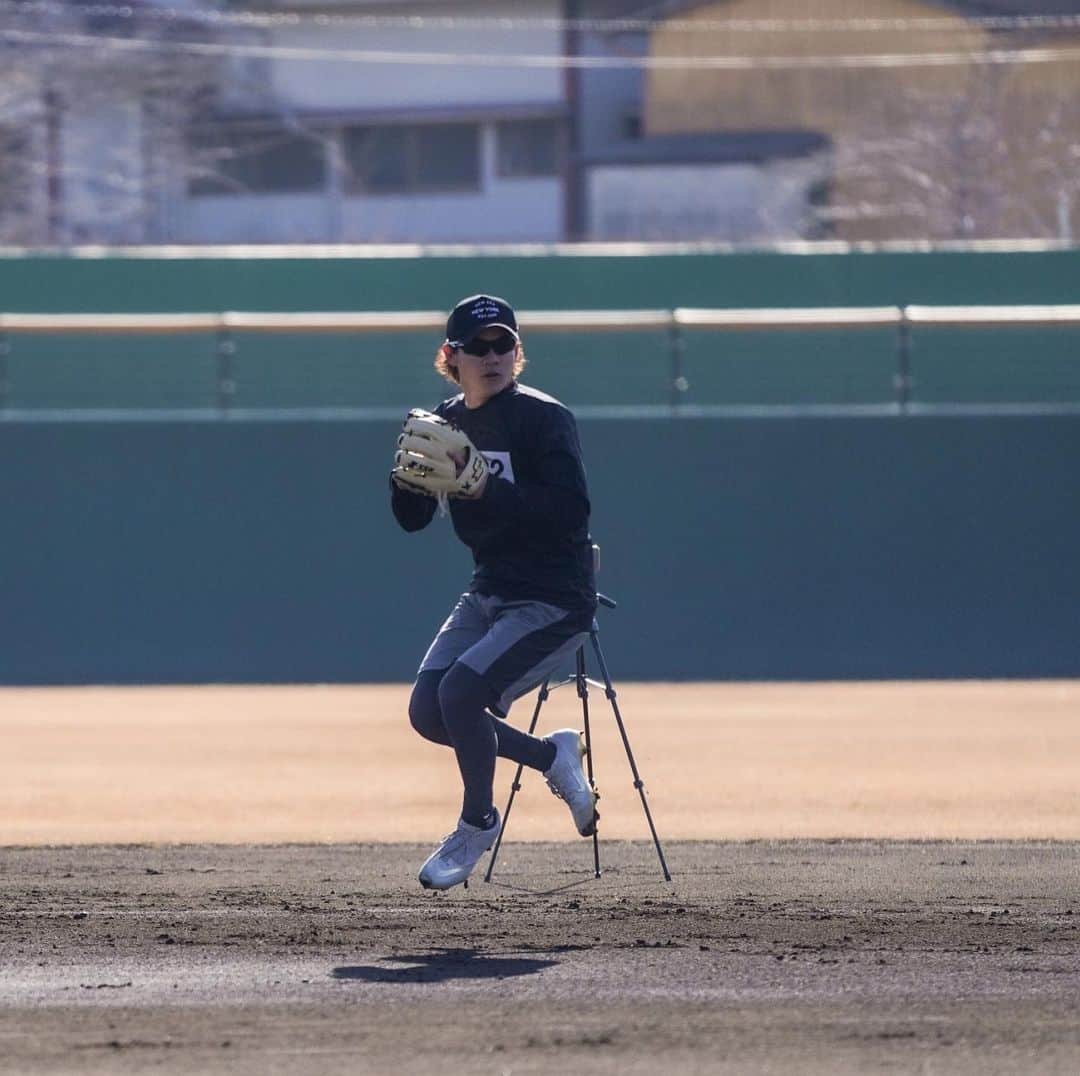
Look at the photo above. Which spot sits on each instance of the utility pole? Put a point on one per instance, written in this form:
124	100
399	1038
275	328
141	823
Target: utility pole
54	185
573	174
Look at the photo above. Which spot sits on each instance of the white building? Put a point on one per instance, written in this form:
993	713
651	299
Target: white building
368	122
355	126
727	187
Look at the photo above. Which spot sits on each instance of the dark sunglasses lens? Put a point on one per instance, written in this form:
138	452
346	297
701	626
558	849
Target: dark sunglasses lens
500	345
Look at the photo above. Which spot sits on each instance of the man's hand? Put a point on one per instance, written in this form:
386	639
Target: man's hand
434	458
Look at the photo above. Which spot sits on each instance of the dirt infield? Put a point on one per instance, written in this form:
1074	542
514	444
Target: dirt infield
236	953
720	761
802	956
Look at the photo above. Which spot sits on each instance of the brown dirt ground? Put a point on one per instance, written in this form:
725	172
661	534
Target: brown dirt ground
803	956
959	955
266	764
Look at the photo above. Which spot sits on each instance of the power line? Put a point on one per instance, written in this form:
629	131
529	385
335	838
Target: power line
273	19
399	57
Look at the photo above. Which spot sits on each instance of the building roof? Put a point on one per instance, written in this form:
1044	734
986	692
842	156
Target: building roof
1013	7
968	7
714	147
487	112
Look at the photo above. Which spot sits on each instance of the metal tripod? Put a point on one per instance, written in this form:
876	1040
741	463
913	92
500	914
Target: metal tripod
582	682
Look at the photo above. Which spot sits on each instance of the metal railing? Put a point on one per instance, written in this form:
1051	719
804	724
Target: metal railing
226	325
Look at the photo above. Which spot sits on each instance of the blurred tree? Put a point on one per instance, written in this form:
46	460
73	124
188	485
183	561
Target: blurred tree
92	133
991	162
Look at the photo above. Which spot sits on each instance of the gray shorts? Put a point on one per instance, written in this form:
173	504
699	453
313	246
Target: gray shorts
513	645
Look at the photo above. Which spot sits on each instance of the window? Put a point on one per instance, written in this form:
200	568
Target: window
245	160
529	148
412	159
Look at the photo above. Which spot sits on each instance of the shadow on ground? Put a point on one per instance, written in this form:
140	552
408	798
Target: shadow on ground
442	965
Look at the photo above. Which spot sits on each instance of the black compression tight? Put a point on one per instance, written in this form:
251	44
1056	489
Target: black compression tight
448	706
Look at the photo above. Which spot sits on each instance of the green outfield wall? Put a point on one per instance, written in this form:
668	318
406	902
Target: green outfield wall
949	365
134	283
163	551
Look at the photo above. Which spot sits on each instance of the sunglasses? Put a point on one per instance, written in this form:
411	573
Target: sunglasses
502	343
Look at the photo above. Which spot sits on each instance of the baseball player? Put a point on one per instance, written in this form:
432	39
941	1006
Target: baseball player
506	461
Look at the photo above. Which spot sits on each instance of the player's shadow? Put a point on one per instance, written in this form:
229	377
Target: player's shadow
441	965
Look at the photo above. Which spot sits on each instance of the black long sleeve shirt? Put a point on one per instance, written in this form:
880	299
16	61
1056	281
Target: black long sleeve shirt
529	531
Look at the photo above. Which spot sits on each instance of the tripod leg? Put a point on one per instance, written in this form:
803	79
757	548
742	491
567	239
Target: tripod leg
515	785
583	694
609	691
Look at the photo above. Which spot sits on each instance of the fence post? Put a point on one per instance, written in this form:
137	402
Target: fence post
226	377
902	379
676	348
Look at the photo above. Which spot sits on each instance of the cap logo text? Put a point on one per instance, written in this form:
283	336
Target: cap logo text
484	310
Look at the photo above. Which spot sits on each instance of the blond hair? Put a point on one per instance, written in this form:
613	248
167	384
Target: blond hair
449	371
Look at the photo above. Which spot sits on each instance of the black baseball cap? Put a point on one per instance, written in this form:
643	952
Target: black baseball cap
476	313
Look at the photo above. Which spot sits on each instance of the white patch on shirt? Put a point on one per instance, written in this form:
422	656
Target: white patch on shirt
500	465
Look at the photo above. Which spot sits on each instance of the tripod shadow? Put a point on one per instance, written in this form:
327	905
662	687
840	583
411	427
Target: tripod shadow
643	881
442	965
549	891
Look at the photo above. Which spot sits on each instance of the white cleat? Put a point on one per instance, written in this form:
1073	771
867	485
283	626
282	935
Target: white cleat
568	781
453	861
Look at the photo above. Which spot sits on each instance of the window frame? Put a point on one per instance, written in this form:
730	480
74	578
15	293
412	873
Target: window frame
420	179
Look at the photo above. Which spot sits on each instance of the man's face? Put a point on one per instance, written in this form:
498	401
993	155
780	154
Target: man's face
482	376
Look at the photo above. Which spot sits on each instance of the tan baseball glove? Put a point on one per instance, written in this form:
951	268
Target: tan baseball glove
435	458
